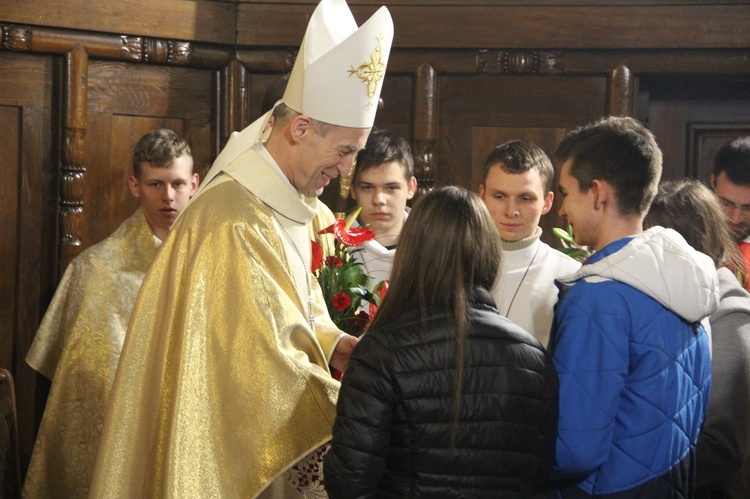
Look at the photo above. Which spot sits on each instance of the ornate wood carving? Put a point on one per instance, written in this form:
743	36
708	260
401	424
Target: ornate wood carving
519	61
72	168
132	48
17	38
156	51
425	127
115	47
621	96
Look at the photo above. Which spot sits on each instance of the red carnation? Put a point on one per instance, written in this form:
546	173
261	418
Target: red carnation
341	301
357	323
334	261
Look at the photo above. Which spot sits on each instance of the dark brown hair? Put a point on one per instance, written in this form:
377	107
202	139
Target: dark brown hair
449	245
384	146
734	160
620	151
516	157
690	208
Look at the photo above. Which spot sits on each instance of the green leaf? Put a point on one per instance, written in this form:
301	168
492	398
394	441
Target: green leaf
563	235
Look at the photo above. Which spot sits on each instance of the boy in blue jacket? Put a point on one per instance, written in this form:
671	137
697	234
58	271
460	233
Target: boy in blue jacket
631	355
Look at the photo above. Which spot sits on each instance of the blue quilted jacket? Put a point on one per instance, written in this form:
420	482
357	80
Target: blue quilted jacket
634	367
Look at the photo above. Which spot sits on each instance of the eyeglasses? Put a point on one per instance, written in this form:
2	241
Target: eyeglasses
730	206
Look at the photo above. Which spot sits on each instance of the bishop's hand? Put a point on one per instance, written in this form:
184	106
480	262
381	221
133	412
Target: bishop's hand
340	357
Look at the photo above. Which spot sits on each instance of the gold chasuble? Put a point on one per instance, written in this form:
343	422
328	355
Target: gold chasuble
77	346
223	385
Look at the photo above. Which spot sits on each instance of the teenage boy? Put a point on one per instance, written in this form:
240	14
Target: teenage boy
631	356
383	182
79	341
517	190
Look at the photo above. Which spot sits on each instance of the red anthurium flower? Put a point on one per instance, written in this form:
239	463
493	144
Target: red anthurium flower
342	301
381	289
317	256
349	237
334	261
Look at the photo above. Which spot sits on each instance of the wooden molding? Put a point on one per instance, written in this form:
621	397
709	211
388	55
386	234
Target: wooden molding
127	48
425	127
519	61
233	101
72	168
621	97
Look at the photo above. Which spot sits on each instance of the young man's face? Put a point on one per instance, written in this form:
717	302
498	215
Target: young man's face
578	207
515	201
164	192
382	192
325	157
735	199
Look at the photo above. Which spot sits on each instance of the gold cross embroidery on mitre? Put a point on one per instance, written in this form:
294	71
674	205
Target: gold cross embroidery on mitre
371	72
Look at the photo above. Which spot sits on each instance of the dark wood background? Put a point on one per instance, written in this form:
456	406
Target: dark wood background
80	82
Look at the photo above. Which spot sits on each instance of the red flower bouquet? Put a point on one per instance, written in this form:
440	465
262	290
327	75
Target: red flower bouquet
343	279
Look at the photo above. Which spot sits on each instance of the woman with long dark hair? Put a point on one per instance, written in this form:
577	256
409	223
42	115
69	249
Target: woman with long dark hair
723	449
443	396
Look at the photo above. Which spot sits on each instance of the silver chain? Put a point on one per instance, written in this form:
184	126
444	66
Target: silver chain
507	313
311	316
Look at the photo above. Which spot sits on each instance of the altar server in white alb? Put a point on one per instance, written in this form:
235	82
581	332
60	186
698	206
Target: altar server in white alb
224	388
517	189
383	182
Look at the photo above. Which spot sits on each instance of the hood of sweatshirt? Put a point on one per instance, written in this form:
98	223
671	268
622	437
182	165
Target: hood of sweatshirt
660	264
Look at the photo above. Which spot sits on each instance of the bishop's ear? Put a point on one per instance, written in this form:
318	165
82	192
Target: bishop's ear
300	126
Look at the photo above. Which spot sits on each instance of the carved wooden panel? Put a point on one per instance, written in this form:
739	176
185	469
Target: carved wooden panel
479	112
10	168
118	88
508	101
692	117
125	102
28	200
705	140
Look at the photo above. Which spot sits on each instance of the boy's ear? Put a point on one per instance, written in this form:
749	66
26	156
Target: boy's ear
602	193
412	188
133	186
548	199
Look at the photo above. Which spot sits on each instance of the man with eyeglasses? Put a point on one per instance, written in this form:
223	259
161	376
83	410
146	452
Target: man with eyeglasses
731	183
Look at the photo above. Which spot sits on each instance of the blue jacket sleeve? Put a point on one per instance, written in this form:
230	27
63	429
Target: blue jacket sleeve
589	347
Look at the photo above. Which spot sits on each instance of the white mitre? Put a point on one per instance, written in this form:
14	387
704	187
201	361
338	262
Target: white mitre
336	79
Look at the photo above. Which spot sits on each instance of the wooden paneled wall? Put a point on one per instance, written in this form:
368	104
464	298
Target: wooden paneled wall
81	82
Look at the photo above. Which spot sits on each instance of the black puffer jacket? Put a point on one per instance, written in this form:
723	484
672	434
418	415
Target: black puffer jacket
393	427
